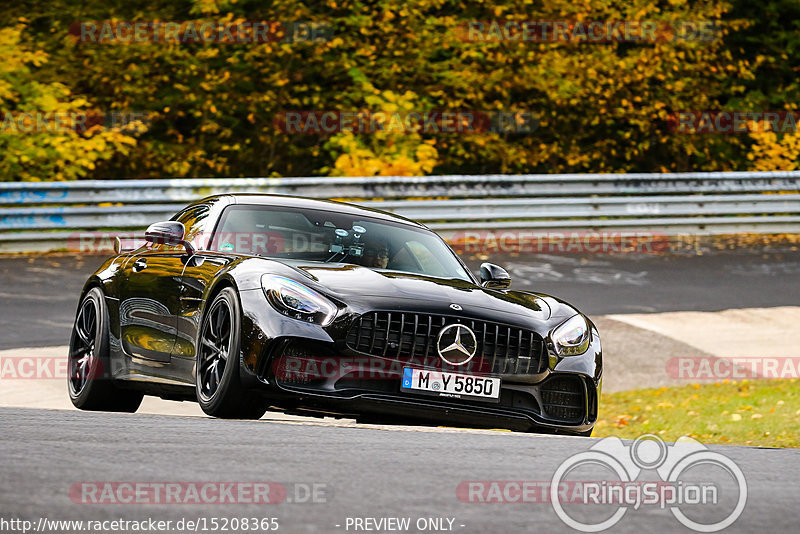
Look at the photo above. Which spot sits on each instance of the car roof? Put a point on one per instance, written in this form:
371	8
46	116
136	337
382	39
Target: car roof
288	201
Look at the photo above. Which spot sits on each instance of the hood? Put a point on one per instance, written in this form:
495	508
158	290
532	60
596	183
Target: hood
353	283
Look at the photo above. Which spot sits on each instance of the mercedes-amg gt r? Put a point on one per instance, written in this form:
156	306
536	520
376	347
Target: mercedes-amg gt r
248	303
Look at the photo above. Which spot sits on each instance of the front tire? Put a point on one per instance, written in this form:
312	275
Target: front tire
217	384
88	361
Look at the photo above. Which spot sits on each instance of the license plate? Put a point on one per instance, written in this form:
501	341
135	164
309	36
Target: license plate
451	385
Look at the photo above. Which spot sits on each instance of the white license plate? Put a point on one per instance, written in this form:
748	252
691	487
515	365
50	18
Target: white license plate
451	385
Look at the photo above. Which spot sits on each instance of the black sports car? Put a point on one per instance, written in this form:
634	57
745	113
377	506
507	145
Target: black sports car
249	302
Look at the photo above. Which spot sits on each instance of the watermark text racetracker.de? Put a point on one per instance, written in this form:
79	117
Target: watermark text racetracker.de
559	242
200	32
455	121
593	490
470	242
203	493
587	31
303	369
34	367
722	122
732	368
584	492
67	121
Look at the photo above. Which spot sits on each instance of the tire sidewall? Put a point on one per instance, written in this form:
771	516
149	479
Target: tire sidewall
96	372
229	384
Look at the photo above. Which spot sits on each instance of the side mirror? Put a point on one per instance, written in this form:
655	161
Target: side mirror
168	233
495	277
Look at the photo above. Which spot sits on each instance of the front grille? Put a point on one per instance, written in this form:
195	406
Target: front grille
501	349
563	398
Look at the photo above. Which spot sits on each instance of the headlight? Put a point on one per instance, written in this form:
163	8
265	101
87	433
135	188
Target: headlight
295	300
571	337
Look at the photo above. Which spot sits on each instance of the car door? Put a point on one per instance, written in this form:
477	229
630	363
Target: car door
150	302
199	271
151	296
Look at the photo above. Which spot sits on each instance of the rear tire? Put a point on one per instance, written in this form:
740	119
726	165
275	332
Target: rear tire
90	387
217	384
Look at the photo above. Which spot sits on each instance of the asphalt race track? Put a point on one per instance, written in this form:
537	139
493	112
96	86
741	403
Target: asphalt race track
38	295
365	471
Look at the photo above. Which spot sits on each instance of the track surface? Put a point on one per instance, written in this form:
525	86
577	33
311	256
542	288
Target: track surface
38	295
367	472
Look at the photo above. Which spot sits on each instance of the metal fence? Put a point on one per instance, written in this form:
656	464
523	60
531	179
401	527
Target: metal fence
42	216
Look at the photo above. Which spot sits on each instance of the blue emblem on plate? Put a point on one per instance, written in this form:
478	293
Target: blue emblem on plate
407	374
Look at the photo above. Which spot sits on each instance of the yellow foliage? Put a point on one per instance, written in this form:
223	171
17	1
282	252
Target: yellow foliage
385	153
40	153
775	152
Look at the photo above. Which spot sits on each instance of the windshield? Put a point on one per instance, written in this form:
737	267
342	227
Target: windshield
330	237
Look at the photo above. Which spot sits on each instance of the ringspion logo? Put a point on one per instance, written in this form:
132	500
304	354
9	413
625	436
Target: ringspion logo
593	490
620	490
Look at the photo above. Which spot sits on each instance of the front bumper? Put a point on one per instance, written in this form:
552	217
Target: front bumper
316	376
304	370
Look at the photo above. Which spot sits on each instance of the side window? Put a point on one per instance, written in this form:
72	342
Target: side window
195	220
265	231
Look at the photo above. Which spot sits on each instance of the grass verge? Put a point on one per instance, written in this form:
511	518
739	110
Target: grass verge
758	413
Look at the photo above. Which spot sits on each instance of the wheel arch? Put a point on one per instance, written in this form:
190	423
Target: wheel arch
215	289
93	281
105	277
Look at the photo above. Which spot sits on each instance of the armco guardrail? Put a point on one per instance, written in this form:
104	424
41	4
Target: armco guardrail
44	215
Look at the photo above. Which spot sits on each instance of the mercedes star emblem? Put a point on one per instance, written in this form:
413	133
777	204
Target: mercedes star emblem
456	344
